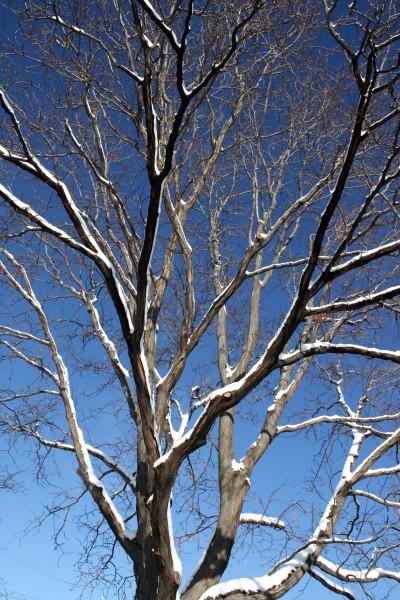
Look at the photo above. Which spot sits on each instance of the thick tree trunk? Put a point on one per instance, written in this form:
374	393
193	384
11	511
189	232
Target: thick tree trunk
146	567
218	553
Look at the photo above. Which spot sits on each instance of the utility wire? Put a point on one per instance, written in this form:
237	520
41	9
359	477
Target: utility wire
38	569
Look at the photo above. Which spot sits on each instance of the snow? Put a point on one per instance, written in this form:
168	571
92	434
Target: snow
163	458
148	41
107	343
6	103
229	372
151	10
38	219
237	466
73	27
369	254
353	454
260	584
261	520
156	16
348	304
336	587
321	347
362	575
177	434
175	558
111	462
179	442
185	91
306	347
279	395
122	297
130	533
17	157
156	151
143	360
383	471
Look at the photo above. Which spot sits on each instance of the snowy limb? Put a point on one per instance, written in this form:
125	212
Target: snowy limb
254	519
349	576
333	586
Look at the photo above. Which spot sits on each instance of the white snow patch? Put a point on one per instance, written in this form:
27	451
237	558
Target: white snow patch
358	438
175	558
237	466
6	103
177	434
229	371
283	392
130	533
256	519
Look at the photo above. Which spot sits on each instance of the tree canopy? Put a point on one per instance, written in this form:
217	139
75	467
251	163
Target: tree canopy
199	263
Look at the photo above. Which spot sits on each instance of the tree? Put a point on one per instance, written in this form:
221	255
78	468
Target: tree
199	263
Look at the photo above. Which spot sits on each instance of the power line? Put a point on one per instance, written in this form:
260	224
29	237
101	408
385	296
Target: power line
11	595
38	569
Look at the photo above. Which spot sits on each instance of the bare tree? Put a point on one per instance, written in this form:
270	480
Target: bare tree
199	263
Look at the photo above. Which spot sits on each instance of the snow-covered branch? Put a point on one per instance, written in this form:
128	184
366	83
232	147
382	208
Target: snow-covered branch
255	519
371	299
332	585
322	347
352	576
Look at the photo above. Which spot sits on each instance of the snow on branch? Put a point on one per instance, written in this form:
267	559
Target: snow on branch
218	66
101	44
359	422
363	258
332	585
62	379
159	21
109	346
44	224
383	471
322	347
376	498
93	451
255	519
357	302
266	583
361	576
89	245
